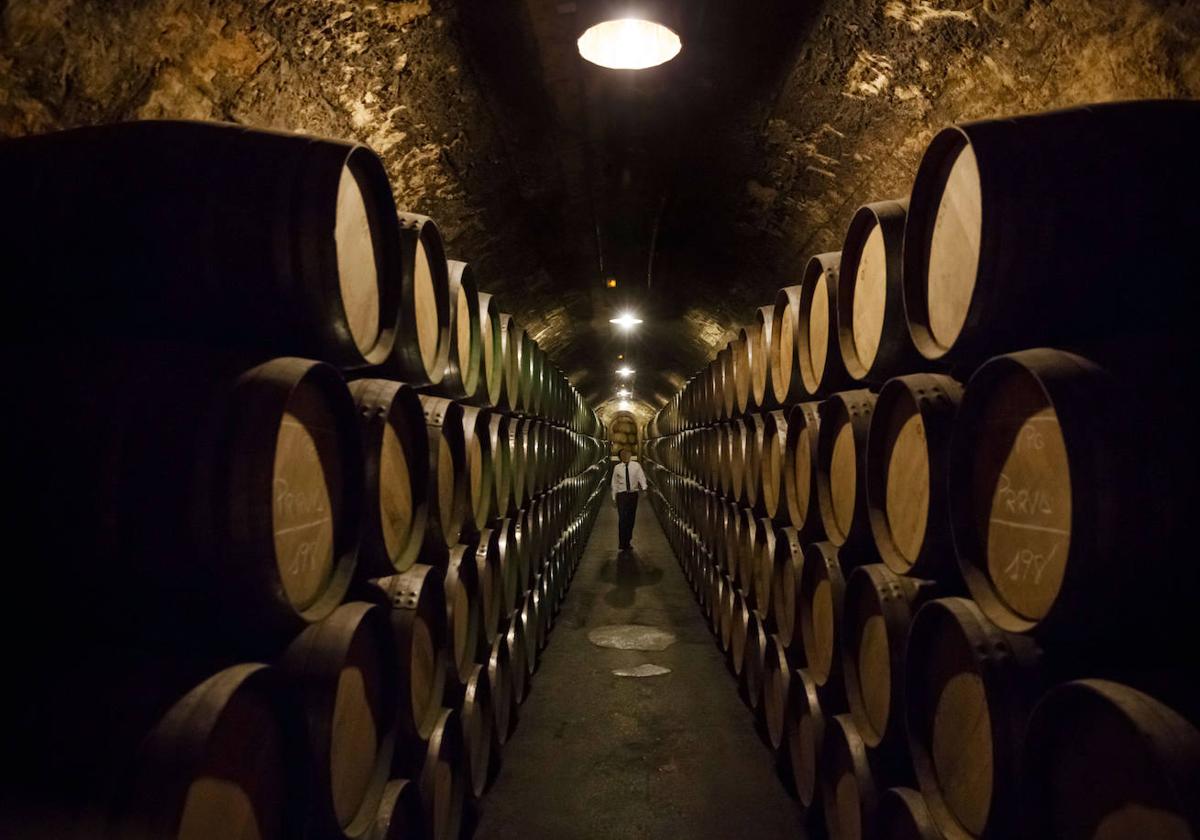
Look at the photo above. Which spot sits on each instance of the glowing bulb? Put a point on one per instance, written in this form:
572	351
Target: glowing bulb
629	44
624	371
626	321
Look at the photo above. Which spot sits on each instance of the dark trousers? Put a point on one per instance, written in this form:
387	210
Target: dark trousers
626	513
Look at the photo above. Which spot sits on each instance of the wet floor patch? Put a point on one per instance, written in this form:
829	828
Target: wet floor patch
631	637
646	670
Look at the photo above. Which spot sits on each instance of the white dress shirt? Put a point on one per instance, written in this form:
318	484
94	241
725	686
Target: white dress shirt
624	479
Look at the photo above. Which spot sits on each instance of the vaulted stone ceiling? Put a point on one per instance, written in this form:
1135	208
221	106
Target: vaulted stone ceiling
701	186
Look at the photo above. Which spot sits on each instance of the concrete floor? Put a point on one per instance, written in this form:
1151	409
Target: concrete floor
600	756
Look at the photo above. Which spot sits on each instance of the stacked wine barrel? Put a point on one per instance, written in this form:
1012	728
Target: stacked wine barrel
935	499
295	503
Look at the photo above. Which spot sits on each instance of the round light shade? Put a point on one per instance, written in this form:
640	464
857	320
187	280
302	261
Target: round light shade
629	44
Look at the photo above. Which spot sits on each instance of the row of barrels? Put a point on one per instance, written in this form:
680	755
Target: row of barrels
275	243
897	709
1032	489
382	721
1017	233
239	504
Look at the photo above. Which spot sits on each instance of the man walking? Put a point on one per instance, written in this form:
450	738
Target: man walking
627	480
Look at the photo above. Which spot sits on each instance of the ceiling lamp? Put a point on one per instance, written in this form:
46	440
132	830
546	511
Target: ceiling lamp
629	44
626	320
624	371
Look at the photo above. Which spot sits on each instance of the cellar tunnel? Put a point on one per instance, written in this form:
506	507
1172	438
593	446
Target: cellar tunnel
332	316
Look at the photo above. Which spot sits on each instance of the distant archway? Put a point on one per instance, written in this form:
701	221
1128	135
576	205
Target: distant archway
623	432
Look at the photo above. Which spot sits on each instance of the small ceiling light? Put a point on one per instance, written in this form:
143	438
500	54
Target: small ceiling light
612	282
624	371
626	321
629	44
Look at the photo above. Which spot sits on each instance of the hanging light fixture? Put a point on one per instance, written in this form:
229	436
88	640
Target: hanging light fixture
626	320
629	44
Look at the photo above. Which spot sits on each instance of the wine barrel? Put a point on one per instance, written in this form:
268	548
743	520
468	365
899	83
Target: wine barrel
490	571
785	588
544	590
531	620
908	449
786	382
777	689
1104	760
447	494
478	724
396	460
739	623
800	471
743	367
754	659
518	658
400	814
723	612
738	457
876	615
523	530
502	467
1066	478
518	462
344	669
479	479
755	432
969	688
726	455
872	333
491	356
442	782
462	616
110	747
822	597
747	559
767	548
212	508
525	349
508	551
848	785
425	309
771	464
725	363
500	680
762	395
805	734
460	380
510	339
842	471
819	353
417	599
292	251
903	816
997	258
